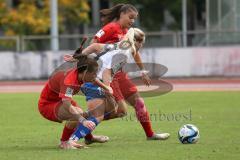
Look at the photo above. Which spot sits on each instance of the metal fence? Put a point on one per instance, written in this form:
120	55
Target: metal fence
153	39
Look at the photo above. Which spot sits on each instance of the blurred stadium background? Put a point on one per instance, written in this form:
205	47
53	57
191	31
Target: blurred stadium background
190	37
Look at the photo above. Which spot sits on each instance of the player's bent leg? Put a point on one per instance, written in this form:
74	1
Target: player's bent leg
96	112
51	112
68	130
143	116
89	139
110	113
122	108
96	108
71	117
111	107
120	111
117	93
141	112
67	113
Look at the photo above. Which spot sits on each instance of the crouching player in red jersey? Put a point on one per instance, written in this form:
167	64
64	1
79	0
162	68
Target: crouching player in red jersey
56	103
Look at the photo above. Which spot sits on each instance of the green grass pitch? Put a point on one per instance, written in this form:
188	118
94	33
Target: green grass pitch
24	134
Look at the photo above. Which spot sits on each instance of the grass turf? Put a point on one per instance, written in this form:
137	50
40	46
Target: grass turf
24	134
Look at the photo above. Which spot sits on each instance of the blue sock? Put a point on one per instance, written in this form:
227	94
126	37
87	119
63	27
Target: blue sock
82	131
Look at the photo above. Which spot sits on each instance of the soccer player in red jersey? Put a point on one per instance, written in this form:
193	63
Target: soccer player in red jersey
56	103
117	20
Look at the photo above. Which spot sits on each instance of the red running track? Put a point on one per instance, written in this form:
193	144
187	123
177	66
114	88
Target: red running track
188	84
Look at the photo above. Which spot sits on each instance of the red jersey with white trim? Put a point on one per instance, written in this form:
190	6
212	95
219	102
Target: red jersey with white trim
62	85
110	33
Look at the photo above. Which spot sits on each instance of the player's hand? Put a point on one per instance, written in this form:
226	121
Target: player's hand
109	90
68	58
89	124
109	93
146	79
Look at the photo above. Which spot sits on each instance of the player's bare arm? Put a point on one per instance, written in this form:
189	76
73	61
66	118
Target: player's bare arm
98	48
138	61
76	113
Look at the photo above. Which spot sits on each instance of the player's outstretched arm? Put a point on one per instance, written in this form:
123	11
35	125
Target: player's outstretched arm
93	48
98	48
138	61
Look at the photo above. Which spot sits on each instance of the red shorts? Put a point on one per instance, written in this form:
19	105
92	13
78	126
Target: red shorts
122	86
48	109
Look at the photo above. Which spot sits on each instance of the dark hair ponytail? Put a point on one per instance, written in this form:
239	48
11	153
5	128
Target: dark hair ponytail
114	12
80	49
83	61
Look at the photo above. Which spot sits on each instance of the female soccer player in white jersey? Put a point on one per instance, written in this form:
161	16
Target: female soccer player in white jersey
111	63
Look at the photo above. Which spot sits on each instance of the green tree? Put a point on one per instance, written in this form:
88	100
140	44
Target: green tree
152	12
32	17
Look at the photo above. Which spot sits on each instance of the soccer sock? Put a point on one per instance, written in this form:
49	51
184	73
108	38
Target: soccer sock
66	134
143	117
82	131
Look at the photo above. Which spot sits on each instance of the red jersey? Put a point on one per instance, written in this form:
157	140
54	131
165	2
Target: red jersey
121	84
110	33
62	85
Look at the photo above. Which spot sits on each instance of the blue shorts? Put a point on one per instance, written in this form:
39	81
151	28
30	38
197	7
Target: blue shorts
92	91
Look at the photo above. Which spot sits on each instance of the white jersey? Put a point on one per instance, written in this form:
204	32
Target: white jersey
114	60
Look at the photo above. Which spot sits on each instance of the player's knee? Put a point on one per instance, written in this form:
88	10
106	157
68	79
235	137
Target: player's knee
122	110
68	113
75	110
122	113
71	124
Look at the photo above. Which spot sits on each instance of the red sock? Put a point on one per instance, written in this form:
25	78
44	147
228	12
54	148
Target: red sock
66	134
143	117
89	136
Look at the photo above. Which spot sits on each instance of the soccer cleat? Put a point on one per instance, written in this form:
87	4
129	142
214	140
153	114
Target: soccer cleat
66	145
78	145
70	145
159	136
97	139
